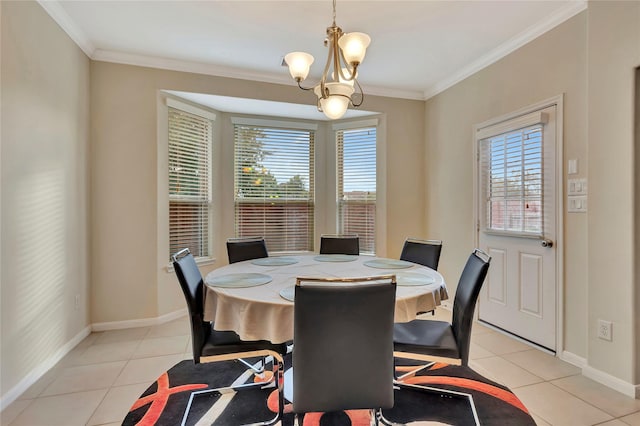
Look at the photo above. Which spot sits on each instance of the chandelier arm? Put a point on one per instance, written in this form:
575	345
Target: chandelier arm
354	68
304	88
356	105
336	53
327	66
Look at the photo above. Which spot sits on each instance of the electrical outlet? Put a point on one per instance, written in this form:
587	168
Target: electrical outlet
605	330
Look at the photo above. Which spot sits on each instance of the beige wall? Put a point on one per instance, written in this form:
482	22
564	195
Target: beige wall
127	271
590	59
44	144
614	53
551	65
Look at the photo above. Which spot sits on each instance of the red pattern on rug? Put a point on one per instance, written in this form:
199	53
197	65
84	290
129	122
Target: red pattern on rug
357	417
159	399
496	392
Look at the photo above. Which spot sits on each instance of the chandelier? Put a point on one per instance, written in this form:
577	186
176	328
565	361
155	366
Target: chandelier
336	89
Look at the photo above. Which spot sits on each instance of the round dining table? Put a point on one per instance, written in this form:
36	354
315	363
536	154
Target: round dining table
255	298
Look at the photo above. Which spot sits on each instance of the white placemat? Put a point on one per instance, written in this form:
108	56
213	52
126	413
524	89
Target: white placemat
409	279
388	264
239	280
275	261
288	293
336	258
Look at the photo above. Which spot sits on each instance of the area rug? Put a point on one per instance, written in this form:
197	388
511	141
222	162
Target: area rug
183	395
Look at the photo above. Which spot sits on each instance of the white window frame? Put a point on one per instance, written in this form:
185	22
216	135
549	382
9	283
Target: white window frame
280	124
341	203
484	136
165	102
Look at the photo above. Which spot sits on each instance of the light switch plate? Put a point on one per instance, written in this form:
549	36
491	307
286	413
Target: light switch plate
577	204
577	186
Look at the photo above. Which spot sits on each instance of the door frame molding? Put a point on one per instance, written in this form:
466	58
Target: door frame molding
558	101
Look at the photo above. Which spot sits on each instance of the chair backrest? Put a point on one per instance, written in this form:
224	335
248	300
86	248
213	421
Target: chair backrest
423	252
343	351
248	248
192	286
464	303
339	244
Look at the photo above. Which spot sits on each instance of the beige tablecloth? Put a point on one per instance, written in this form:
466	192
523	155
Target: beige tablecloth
260	313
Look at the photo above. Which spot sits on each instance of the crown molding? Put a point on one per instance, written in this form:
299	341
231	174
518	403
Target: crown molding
229	72
185	66
531	33
60	16
416	95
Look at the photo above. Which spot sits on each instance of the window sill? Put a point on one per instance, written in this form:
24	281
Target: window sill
200	261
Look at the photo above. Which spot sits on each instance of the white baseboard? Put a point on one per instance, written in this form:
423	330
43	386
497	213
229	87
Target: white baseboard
573	359
35	374
145	322
611	381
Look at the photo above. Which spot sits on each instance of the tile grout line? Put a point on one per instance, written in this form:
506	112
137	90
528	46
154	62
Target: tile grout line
614	417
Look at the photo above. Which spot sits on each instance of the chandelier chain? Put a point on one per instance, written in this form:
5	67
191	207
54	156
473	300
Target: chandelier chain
334	13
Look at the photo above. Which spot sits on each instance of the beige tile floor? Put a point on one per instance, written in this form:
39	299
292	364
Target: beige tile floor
96	383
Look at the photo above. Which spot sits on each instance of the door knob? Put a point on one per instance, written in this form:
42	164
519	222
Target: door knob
546	243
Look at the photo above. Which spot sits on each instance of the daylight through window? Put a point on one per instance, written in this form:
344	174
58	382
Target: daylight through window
357	185
513	184
189	182
274	192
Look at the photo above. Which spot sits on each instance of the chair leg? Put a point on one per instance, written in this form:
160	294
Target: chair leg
414	372
256	370
381	419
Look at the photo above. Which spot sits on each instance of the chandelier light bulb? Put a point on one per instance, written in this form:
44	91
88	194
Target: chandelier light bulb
334	107
335	104
354	46
299	64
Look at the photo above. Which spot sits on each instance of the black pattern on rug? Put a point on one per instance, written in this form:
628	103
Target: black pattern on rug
165	401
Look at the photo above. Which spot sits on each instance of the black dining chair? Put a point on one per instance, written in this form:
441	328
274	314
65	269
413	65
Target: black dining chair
246	248
343	346
422	252
339	244
209	345
441	338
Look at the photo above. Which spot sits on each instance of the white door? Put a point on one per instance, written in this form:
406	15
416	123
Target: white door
517	225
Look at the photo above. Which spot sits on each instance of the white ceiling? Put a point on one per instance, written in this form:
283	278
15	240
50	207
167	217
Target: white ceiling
418	48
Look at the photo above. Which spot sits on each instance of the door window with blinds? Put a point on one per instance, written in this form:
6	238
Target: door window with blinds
274	186
190	140
356	190
511	163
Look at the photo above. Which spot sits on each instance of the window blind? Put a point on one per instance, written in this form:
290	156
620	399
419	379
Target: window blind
274	186
356	190
189	182
513	182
